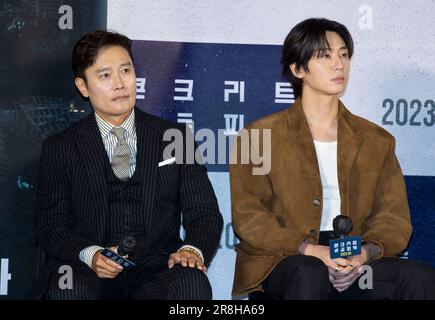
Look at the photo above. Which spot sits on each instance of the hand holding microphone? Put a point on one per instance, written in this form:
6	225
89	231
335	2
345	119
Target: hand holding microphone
344	246
111	261
105	267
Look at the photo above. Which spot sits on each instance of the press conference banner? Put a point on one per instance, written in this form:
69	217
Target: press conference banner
214	65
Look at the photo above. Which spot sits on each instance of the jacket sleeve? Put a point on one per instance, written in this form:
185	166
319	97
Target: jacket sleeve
54	222
389	225
254	221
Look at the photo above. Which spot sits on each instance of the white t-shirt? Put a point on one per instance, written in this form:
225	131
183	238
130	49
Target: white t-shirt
327	158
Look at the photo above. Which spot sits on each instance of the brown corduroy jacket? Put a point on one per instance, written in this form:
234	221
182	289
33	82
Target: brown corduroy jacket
273	213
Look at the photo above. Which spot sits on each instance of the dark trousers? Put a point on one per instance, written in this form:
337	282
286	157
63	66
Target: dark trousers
140	283
306	277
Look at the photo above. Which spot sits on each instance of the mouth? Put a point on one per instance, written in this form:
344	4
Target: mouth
121	98
338	80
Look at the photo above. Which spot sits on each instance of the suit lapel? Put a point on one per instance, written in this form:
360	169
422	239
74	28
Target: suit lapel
93	153
302	139
348	146
148	157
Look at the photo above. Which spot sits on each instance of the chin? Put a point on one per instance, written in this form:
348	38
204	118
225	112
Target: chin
124	108
338	91
334	93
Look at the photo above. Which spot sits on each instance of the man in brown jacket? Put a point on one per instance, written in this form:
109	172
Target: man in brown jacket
325	161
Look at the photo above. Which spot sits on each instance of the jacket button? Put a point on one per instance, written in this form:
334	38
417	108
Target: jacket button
317	202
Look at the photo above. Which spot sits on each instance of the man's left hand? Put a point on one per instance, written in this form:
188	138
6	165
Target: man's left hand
186	259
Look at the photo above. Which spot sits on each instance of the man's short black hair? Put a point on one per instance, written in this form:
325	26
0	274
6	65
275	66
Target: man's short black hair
86	50
305	41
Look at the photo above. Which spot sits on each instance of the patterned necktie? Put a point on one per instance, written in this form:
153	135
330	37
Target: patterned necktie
121	155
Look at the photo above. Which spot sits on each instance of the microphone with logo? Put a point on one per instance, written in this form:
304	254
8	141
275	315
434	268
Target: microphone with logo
342	244
123	251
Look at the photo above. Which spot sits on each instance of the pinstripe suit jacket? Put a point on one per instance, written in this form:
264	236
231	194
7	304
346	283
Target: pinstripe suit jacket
72	193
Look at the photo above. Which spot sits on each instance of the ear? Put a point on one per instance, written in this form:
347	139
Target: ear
297	73
82	87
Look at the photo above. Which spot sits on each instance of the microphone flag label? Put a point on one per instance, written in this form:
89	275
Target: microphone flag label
127	264
346	247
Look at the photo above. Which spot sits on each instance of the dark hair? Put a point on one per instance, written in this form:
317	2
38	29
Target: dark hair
306	40
86	50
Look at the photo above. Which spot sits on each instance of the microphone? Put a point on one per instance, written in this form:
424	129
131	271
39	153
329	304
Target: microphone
126	246
342	244
342	226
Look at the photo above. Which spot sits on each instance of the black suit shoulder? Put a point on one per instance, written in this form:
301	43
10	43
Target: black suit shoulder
68	134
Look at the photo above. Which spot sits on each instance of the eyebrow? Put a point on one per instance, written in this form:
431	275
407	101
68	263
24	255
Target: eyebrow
329	49
125	64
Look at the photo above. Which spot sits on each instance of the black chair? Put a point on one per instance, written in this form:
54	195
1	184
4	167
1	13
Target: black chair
37	291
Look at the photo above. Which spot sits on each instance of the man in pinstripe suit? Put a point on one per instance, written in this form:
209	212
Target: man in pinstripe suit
100	180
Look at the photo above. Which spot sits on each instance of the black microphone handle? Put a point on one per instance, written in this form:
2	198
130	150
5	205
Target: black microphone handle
126	246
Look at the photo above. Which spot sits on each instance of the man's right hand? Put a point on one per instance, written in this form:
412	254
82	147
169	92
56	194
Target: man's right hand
104	267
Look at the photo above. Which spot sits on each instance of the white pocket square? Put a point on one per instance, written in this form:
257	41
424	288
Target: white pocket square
167	161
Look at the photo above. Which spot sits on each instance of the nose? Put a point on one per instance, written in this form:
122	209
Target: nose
337	63
118	82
